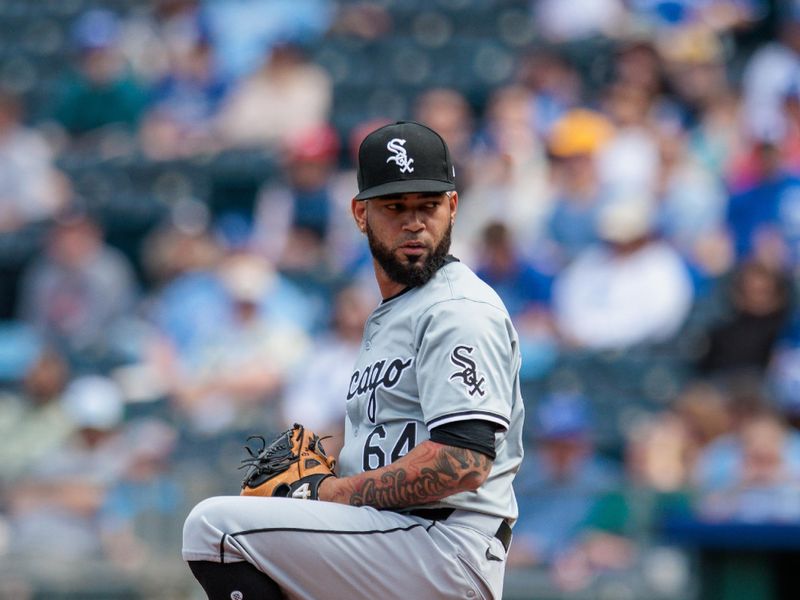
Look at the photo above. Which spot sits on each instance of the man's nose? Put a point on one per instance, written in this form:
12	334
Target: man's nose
414	221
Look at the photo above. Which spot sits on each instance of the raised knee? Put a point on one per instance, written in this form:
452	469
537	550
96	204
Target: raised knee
204	521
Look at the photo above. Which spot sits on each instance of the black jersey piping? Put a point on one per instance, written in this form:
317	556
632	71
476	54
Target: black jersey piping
397	295
303	530
432	422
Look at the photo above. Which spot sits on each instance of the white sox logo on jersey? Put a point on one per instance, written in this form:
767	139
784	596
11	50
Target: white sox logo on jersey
377	375
468	374
400	157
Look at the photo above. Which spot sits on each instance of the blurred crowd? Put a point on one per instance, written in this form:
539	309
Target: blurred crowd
630	186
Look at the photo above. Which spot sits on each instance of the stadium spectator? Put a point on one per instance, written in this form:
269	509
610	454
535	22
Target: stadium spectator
760	302
101	92
56	508
560	22
621	532
752	475
629	158
748	168
78	290
694	63
154	38
288	94
245	32
706	413
223	360
305	200
184	103
573	145
525	291
638	64
447	111
598	299
555	84
508	174
140	506
691	205
608	537
303	222
88	492
31	189
770	73
181	244
717	138
561	479
761	218
33	422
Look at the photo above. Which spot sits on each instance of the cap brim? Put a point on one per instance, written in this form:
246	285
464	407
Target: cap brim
408	186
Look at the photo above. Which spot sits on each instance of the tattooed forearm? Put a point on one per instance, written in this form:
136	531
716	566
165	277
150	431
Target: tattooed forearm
430	472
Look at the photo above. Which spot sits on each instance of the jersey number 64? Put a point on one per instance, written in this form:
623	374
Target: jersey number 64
375	455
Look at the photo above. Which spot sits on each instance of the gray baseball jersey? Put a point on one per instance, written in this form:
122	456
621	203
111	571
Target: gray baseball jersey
444	352
436	354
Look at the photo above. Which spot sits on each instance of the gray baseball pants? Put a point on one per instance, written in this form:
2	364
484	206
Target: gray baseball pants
322	550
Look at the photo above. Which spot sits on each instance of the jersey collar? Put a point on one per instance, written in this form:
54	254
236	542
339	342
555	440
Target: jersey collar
447	260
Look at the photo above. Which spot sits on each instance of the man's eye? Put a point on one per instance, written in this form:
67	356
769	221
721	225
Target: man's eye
392	207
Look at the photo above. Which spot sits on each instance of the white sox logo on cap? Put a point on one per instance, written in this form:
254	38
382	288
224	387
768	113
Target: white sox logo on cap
429	171
396	145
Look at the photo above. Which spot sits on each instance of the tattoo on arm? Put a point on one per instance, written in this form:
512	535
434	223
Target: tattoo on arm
430	472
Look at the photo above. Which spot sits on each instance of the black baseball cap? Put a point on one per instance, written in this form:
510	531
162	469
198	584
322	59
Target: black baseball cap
404	157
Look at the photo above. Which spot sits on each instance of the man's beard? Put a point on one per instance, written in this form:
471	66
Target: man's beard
419	270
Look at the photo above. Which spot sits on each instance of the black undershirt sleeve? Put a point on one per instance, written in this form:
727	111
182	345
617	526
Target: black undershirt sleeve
474	434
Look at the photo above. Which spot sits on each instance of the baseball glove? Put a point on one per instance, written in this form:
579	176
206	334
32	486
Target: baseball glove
293	465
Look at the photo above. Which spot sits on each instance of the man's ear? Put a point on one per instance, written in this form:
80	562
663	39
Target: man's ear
359	209
453	199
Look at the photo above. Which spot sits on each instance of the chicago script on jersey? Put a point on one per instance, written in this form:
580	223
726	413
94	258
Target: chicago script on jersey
380	374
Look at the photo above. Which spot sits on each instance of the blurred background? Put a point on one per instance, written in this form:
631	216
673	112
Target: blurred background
179	269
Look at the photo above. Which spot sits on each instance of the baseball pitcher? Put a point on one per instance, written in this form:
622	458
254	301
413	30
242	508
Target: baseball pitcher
421	504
